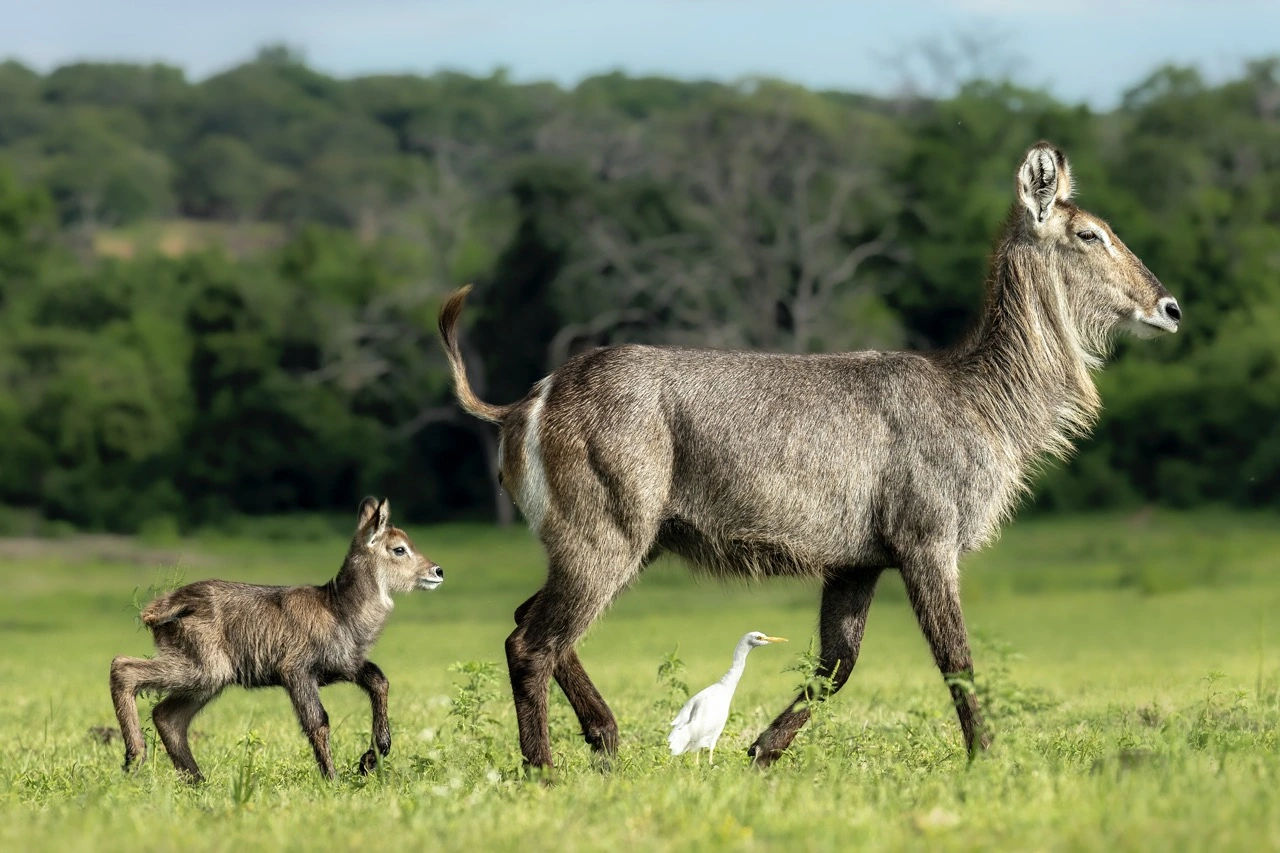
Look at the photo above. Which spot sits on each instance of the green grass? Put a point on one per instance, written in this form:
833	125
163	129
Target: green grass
1130	668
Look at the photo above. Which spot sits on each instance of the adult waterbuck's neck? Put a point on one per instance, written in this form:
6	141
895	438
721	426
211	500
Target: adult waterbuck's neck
1060	285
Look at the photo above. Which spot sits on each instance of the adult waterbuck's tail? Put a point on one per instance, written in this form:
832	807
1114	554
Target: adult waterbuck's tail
449	334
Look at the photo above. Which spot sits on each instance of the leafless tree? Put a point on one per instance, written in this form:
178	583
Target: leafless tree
388	348
773	240
937	67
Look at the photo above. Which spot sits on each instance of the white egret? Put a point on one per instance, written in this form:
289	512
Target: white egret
701	720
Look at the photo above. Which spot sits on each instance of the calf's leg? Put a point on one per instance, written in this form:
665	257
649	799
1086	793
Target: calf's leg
130	676
173	717
304	691
372	681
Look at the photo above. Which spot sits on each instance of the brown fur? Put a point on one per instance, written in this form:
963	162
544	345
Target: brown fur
827	466
212	634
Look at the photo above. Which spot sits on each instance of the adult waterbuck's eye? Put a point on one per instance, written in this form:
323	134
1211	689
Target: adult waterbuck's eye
1087	236
399	550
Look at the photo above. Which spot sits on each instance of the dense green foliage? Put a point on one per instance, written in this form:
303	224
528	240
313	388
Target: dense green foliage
217	297
1128	669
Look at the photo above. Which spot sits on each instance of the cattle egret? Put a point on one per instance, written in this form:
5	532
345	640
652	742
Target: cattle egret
701	720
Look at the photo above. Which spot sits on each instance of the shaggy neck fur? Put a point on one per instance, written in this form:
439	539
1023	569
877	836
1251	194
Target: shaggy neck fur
1026	366
358	594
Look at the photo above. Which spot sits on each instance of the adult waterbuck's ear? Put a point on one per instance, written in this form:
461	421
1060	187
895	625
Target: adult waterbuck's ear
1043	181
373	518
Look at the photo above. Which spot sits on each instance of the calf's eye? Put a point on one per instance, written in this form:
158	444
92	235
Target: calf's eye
399	551
1087	236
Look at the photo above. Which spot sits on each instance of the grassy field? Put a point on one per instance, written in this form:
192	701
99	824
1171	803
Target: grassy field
1130	668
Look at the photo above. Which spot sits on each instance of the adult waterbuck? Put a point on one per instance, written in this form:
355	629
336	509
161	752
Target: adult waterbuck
211	634
826	466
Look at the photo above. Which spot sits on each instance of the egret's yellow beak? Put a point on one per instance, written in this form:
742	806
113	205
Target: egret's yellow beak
775	639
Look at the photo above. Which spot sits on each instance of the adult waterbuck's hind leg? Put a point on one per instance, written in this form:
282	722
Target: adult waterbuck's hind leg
173	716
599	728
584	575
933	587
846	598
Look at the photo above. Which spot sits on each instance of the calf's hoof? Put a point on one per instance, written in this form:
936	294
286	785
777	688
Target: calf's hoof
368	763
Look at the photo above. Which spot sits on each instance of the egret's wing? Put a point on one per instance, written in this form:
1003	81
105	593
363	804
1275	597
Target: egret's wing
682	733
686	713
679	740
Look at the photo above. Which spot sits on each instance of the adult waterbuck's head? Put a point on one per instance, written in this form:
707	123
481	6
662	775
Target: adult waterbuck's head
1101	284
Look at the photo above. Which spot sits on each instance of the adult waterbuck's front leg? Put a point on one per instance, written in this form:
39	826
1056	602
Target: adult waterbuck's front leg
933	587
846	598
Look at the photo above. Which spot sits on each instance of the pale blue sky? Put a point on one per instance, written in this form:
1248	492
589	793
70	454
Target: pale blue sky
1082	50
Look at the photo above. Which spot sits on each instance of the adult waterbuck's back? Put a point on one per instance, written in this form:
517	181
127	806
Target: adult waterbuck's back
829	466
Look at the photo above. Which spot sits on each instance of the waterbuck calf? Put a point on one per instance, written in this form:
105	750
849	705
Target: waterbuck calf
211	634
827	466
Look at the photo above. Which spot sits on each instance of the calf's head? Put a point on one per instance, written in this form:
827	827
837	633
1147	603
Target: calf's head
388	552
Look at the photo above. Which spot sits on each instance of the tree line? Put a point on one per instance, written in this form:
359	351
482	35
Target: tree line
217	297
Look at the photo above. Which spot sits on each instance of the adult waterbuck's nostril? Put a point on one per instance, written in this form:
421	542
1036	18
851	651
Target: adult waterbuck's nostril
1169	307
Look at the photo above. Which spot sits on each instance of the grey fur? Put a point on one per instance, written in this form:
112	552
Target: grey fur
826	466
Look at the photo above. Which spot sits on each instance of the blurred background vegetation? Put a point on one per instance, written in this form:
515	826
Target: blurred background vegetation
218	298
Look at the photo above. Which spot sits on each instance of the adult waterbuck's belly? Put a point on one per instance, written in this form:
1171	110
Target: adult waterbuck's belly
742	502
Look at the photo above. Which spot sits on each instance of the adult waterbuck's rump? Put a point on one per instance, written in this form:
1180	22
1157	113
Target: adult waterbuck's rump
829	466
211	634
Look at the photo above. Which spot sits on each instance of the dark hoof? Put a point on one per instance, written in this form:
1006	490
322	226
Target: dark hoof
603	740
543	774
368	763
762	757
104	734
981	745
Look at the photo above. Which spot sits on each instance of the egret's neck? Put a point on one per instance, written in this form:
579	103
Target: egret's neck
739	664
